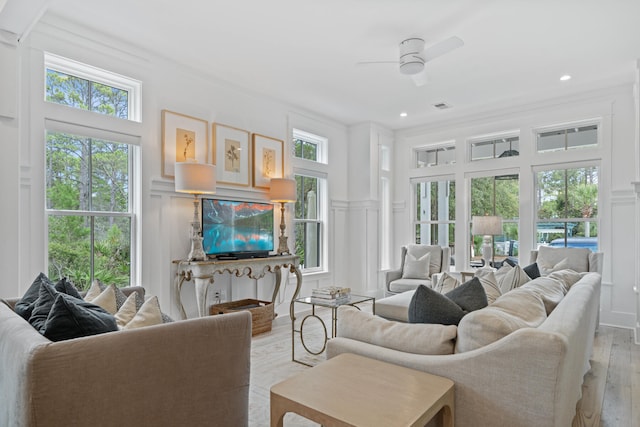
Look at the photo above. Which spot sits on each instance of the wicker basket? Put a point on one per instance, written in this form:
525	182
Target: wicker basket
261	313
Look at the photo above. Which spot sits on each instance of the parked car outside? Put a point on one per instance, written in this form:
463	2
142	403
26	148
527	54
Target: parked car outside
577	242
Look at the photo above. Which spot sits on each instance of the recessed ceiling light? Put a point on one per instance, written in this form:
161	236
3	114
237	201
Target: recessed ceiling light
565	77
403	114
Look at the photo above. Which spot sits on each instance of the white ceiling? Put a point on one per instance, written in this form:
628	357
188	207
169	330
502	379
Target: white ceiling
304	52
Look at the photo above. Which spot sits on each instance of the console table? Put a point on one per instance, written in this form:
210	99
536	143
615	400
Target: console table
202	274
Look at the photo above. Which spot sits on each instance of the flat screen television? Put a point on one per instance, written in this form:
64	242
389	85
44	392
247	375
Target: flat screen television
237	229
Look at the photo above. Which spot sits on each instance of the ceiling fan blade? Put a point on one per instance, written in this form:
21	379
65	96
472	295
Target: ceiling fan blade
421	78
376	62
440	48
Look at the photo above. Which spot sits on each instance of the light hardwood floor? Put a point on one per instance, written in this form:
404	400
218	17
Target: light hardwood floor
611	390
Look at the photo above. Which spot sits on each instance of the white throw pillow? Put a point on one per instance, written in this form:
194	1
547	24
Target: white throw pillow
416	268
128	310
548	267
148	315
489	283
106	299
446	283
514	278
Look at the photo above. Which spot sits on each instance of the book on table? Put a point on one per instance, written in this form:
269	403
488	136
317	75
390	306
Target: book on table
331	292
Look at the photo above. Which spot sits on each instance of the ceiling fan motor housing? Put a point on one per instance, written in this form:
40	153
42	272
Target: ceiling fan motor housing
411	59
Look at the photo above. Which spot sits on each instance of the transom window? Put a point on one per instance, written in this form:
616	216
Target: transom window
567	139
495	148
428	157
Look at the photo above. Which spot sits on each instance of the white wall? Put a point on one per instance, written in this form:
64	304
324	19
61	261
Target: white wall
166	215
613	106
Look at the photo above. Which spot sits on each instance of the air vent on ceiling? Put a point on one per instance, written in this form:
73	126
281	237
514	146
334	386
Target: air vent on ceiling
442	105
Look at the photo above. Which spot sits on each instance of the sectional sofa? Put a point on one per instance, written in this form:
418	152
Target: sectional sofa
518	362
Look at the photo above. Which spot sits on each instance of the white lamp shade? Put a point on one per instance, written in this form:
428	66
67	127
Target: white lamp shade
282	190
195	178
486	225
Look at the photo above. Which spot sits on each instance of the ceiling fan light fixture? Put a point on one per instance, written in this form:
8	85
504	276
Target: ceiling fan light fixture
411	59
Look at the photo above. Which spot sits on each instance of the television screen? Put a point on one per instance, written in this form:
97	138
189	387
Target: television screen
231	227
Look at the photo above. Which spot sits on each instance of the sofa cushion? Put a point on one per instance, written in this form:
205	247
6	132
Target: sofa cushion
552	259
72	317
550	289
406	337
405	285
416	268
519	308
24	307
395	307
429	306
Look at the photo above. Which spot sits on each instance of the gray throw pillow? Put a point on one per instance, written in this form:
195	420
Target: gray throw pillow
24	307
430	306
72	317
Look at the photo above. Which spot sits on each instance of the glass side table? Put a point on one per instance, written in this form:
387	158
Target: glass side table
352	300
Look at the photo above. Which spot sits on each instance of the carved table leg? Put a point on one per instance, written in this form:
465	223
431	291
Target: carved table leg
295	270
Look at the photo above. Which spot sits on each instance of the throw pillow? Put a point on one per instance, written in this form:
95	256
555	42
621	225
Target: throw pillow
470	296
24	307
446	283
120	296
429	306
148	315
548	267
489	283
66	287
106	299
416	268
93	291
46	297
532	271
128	310
514	278
72	317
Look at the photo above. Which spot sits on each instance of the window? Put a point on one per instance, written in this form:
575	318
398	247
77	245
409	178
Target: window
567	139
495	148
309	152
496	195
567	207
435	156
435	213
89	204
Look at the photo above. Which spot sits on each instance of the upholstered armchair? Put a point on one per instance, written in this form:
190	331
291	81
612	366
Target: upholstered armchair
418	263
581	260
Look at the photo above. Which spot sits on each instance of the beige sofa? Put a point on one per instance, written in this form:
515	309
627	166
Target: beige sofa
187	373
532	376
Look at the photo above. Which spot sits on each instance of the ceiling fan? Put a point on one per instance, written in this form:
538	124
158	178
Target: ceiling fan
413	56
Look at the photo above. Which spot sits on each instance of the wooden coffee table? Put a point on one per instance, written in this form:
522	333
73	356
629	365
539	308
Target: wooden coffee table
352	390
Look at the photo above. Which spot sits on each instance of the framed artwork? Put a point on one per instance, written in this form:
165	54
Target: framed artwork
268	160
183	138
231	154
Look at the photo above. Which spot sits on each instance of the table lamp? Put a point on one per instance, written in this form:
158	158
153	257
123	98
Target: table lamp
487	226
283	191
195	178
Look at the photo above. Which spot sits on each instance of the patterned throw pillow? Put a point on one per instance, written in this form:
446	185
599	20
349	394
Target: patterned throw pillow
416	268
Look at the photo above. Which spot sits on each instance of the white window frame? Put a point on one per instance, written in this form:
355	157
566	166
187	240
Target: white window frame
489	138
109	128
564	126
315	169
448	145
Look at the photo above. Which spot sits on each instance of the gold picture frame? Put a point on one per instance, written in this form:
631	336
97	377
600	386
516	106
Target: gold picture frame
268	160
183	138
231	154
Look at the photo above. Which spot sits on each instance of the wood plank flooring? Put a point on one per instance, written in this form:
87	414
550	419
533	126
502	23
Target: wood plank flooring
611	390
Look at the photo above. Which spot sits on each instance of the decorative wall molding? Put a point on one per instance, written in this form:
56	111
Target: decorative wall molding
399	206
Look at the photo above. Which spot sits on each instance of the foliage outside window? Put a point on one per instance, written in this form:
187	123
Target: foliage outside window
90	219
496	195
87	201
567	139
495	148
435	156
308	227
567	207
435	214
